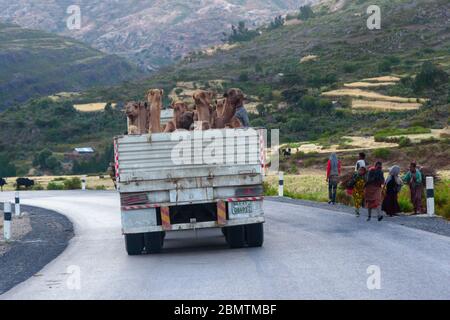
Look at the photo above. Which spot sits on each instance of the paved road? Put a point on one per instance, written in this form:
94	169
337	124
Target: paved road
309	253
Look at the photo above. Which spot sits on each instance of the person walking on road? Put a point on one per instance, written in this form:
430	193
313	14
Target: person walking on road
361	161
357	184
373	190
333	173
414	179
392	188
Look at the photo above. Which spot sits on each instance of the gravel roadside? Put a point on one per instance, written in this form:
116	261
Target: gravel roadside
34	245
20	228
436	224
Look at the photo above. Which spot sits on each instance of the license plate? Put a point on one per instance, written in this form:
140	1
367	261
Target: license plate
243	208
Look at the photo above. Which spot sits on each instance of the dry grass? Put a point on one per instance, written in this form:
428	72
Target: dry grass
223	47
355	143
91	107
91	182
369	95
309	58
310	184
383	79
368	84
385	105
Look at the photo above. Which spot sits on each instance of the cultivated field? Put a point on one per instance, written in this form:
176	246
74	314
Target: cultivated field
384	105
368	84
91	107
369	95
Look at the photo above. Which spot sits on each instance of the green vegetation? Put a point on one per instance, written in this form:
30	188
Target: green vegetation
240	33
385	134
56	128
64	184
35	63
268	67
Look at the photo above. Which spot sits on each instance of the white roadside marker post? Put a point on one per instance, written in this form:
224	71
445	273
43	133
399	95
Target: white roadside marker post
281	185
7	221
17	205
430	196
83	183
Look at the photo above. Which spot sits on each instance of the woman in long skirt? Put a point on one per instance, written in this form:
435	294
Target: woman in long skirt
357	185
373	190
393	188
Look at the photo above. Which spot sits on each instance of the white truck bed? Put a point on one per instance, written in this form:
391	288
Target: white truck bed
149	176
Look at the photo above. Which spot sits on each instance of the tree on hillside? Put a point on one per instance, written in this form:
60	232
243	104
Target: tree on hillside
306	12
46	161
7	169
430	76
276	23
240	33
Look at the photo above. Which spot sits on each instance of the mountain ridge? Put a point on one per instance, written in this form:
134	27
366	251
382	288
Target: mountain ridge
152	34
36	63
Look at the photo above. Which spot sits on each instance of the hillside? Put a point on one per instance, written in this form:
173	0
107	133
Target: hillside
35	63
292	74
151	33
319	81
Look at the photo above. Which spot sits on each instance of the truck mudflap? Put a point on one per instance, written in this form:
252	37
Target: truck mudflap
241	211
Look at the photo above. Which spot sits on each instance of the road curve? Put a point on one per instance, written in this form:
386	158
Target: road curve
309	253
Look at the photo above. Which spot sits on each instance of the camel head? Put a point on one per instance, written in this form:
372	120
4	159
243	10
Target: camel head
235	97
203	98
179	107
155	96
220	105
132	109
187	119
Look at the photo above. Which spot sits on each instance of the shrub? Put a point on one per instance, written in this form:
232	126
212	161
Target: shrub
404	142
52	185
102	187
405	204
382	153
72	184
269	190
37	187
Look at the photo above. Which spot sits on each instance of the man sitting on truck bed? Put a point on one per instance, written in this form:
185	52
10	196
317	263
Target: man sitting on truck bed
235	97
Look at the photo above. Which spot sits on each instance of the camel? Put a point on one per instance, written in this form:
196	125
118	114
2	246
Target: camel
179	108
226	118
154	99
137	118
203	107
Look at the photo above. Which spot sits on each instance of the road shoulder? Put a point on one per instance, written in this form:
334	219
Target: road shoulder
435	225
49	236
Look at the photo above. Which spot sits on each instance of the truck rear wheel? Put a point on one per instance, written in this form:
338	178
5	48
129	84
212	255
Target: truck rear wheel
255	234
134	243
224	232
236	236
154	242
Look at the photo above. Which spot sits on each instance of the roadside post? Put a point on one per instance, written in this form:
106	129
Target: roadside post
430	196
7	221
83	183
17	204
281	185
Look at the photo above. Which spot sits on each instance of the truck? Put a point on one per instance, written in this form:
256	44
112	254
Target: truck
189	180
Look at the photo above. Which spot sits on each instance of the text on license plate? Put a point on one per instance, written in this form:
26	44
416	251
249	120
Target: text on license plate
241	208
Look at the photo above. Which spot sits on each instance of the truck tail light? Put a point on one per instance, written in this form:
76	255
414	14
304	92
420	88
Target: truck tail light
129	199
